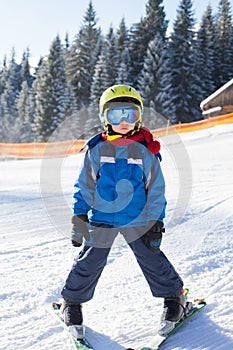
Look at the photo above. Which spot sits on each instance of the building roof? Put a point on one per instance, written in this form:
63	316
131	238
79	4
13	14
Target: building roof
220	98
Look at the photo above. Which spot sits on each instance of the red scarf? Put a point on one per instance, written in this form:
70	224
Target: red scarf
143	136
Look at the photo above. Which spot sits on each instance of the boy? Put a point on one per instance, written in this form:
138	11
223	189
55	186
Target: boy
120	188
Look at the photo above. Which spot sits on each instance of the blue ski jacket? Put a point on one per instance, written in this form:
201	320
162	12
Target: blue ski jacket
120	184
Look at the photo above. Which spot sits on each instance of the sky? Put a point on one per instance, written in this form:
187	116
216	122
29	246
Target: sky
34	24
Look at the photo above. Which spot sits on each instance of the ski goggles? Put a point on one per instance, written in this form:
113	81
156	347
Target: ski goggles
116	114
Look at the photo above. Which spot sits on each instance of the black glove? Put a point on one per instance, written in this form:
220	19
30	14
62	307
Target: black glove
79	230
153	237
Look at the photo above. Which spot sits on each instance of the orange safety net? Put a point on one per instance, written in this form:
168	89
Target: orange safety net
199	125
40	149
71	147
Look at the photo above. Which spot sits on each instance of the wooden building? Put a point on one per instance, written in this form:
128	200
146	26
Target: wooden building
220	102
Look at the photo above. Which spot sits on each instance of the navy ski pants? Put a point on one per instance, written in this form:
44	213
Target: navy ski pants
161	276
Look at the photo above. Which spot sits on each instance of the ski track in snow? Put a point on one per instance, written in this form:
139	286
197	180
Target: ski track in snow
36	257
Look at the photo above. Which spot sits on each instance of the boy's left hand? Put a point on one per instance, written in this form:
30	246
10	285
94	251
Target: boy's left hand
153	237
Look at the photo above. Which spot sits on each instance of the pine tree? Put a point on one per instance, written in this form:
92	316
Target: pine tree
204	56
155	21
25	69
224	44
67	43
124	75
3	75
152	78
181	65
100	82
143	32
122	37
24	123
124	70
73	124
83	57
14	73
11	86
51	92
137	49
9	113
32	106
111	56
105	75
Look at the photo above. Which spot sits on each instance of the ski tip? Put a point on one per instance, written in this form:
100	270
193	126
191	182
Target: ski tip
55	305
200	301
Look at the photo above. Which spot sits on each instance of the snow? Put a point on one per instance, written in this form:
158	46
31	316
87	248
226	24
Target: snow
36	254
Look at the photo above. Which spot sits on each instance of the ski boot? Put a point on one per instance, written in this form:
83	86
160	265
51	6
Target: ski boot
175	308
72	316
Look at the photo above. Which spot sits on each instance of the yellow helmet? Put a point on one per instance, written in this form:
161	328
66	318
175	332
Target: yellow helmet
119	93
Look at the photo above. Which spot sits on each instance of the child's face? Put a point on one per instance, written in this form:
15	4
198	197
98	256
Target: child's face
123	127
122	116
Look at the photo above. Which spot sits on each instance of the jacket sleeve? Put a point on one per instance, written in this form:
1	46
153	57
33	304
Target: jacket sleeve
155	185
84	187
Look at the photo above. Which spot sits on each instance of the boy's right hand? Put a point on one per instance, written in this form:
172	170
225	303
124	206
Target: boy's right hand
79	230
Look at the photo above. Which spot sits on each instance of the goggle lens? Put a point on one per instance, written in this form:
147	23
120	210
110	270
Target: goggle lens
115	115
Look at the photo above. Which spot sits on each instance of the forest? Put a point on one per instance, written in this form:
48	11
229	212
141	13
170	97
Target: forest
173	70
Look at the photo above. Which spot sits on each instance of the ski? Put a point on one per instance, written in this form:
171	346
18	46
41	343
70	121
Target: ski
78	344
159	340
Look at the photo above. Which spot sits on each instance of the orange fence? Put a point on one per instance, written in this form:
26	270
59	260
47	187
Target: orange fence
67	148
40	149
202	124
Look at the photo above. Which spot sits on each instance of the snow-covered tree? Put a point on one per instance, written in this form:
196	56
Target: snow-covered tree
99	84
14	73
203	48
23	108
124	75
25	69
11	85
51	92
9	112
153	69
111	56
181	65
122	36
152	79
73	124
137	50
3	75
100	81
32	109
143	32
67	42
83	57
155	19
224	44
124	71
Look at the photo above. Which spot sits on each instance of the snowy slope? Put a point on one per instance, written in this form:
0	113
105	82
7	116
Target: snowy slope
36	254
